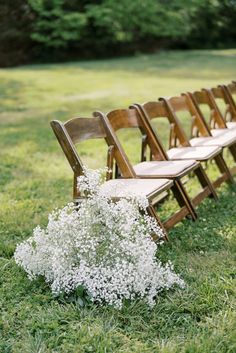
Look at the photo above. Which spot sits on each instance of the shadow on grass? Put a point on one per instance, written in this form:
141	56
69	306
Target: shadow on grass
214	229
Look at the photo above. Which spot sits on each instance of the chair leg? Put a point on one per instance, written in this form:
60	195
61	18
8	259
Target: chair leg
183	198
223	168
152	213
205	181
233	151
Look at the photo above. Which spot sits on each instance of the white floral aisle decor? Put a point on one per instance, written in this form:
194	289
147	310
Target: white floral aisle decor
103	246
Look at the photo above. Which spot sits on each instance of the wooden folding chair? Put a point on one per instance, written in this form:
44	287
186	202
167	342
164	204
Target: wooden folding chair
217	131
226	93
161	166
231	89
207	97
77	130
179	143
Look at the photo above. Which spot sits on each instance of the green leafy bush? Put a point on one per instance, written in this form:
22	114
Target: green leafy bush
52	30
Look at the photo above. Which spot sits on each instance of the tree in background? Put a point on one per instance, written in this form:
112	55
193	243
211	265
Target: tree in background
59	23
109	26
16	19
53	30
213	24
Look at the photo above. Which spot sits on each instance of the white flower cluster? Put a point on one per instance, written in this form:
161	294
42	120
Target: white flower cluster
104	246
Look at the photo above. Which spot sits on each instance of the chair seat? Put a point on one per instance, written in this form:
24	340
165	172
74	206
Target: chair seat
199	153
117	188
231	124
221	132
222	138
164	169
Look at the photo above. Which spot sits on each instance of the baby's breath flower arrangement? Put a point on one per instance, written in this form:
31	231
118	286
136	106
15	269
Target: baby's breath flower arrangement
103	246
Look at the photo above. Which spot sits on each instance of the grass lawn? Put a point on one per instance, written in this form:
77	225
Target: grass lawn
35	178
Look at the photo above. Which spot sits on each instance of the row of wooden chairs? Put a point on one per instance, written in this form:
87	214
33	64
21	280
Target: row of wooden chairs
160	169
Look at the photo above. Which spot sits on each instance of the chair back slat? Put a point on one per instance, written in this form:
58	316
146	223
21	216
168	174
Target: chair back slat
218	92
185	103
125	168
229	112
178	103
231	92
201	97
178	134
155	109
81	129
150	137
232	87
205	97
123	118
132	118
162	109
67	146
